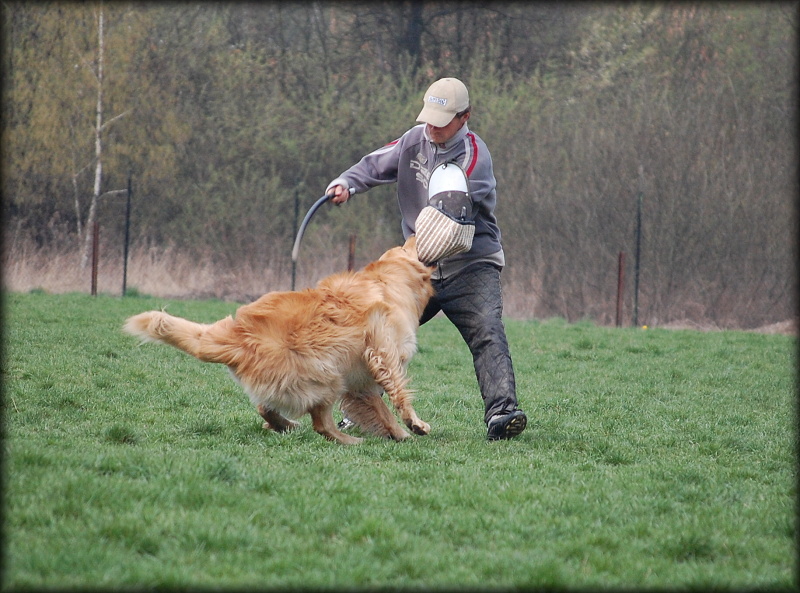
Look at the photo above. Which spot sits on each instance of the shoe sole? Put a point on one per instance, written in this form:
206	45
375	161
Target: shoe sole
513	428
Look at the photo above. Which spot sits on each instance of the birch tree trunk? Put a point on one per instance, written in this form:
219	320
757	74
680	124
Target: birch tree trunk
98	146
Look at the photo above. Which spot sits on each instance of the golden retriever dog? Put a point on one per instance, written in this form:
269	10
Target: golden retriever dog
347	340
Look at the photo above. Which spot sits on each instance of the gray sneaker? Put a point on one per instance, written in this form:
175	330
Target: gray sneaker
506	426
345	424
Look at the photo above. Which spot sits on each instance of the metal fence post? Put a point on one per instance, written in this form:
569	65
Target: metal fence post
294	229
351	254
620	285
95	254
637	262
127	237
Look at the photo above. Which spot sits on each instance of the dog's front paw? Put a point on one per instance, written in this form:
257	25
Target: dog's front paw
419	427
399	434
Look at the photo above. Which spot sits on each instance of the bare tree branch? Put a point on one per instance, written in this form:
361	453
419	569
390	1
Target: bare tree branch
115	118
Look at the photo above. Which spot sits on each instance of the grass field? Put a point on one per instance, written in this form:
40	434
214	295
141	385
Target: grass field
652	459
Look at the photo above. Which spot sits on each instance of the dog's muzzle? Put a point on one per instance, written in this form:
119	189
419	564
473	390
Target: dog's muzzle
445	226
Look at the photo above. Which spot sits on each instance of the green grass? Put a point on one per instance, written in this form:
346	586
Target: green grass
652	459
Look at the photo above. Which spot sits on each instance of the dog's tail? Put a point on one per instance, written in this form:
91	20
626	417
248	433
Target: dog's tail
209	343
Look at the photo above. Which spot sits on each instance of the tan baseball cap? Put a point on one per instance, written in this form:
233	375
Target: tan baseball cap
443	99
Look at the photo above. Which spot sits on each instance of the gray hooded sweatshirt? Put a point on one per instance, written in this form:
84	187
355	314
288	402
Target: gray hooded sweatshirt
409	161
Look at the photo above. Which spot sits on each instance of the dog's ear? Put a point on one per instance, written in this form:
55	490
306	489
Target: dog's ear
411	244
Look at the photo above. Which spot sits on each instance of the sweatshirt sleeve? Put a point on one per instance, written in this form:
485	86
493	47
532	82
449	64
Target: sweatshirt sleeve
480	172
377	168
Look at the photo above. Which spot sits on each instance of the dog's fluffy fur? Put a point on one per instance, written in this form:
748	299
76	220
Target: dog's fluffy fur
347	340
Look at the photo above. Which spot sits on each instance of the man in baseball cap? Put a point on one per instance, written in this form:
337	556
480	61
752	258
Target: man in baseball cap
466	280
443	100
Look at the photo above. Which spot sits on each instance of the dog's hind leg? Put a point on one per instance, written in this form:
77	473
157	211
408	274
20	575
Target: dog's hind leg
322	421
370	412
275	421
387	370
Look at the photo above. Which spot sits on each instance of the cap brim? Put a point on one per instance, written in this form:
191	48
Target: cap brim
435	117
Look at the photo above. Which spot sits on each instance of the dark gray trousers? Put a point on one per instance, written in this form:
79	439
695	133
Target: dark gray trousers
473	302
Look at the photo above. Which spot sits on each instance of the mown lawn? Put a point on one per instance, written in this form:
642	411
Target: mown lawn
652	459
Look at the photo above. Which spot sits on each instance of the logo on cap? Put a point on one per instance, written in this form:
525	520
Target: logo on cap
440	101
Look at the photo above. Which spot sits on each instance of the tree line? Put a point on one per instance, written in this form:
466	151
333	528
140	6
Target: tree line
227	115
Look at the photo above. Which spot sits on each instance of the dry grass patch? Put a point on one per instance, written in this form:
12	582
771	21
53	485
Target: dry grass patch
169	272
